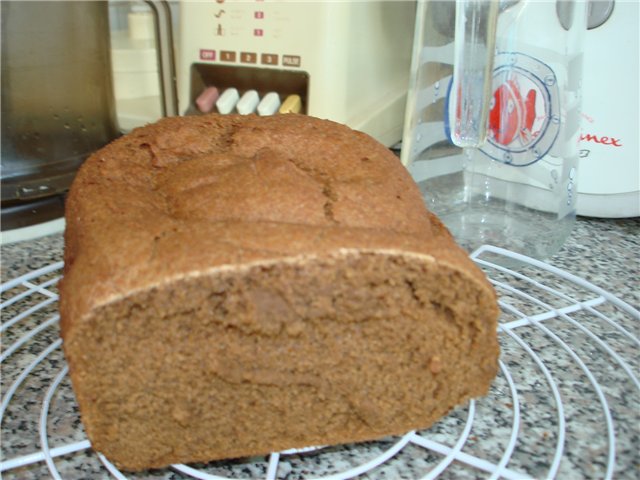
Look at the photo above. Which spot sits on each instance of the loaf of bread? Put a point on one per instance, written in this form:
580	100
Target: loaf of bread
237	285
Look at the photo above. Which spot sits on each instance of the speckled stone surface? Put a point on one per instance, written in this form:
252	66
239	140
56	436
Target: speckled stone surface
565	402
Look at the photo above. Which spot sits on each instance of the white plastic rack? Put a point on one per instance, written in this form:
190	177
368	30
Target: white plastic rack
564	404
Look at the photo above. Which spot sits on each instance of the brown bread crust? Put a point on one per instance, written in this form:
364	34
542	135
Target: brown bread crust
236	285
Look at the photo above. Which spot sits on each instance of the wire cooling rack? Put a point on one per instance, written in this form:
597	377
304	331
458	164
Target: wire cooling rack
565	403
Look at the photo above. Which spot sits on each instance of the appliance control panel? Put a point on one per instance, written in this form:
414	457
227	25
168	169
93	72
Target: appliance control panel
245	57
347	61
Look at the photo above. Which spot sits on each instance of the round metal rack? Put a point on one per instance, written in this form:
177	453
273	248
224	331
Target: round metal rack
564	403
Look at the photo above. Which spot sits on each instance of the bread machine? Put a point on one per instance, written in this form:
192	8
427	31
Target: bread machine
347	60
609	166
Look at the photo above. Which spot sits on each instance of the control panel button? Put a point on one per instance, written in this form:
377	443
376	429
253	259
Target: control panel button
269	59
227	101
248	57
291	104
207	99
227	56
291	60
248	102
207	54
269	104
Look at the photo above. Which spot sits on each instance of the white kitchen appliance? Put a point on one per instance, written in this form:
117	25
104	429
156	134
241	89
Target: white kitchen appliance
347	61
609	165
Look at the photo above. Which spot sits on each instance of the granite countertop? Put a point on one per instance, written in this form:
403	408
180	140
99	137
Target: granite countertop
605	252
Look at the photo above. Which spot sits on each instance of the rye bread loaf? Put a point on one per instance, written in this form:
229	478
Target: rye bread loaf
236	285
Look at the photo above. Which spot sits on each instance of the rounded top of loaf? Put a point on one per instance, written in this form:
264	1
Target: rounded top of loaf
189	194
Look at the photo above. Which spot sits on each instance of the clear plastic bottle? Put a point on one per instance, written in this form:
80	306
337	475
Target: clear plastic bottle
493	119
